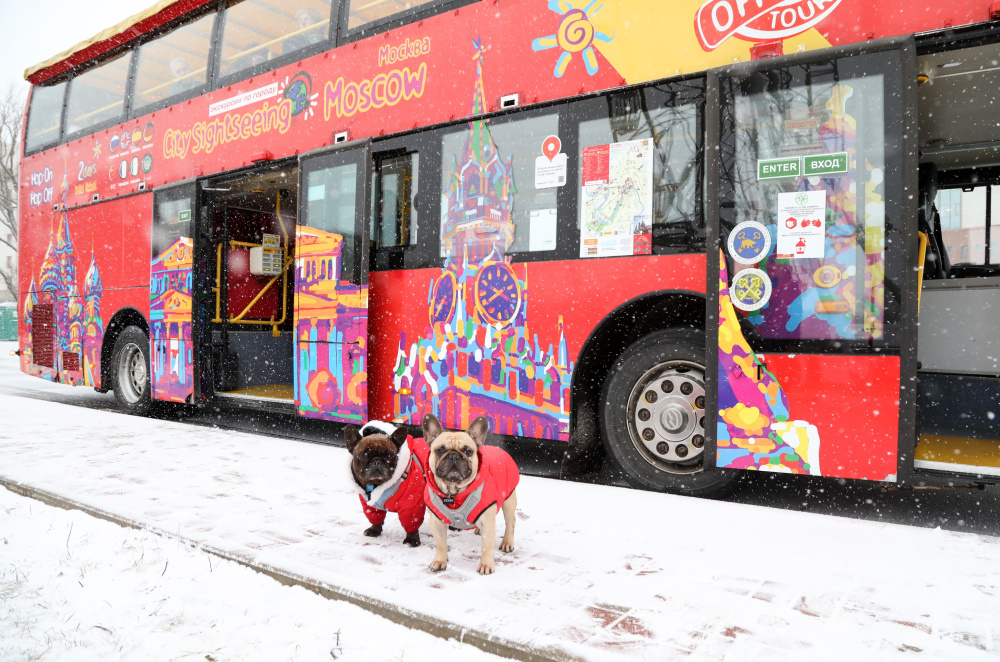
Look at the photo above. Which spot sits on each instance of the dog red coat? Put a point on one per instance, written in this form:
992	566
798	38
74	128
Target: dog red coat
403	494
497	478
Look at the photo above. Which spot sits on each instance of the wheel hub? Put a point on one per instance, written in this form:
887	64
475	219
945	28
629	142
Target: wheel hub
667	417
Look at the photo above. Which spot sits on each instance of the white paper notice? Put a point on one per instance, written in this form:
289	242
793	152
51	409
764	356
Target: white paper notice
801	224
550	173
542	230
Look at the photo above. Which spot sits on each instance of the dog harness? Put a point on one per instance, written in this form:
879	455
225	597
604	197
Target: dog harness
497	478
402	494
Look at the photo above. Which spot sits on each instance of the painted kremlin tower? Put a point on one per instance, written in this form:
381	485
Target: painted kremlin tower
477	356
59	323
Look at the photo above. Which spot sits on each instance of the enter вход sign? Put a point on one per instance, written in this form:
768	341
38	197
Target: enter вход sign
824	164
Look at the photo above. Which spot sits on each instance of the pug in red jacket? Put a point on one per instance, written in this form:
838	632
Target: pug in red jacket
389	476
467	484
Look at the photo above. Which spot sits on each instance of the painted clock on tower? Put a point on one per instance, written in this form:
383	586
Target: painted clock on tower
498	293
443	298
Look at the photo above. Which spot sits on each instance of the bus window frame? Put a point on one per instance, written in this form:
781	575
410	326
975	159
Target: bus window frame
62	119
126	113
219	81
210	62
406	17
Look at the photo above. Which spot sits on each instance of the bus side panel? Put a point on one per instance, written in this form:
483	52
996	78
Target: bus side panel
520	375
830	430
170	322
77	279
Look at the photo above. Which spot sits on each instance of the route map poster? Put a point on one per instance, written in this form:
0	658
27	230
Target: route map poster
616	207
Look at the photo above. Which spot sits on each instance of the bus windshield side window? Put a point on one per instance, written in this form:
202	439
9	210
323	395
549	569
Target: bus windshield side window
395	213
363	12
175	63
257	31
488	189
45	115
98	95
671	115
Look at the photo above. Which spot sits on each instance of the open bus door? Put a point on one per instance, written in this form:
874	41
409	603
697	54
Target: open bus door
811	206
331	284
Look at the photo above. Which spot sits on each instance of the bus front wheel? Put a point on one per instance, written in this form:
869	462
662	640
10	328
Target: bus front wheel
130	371
653	421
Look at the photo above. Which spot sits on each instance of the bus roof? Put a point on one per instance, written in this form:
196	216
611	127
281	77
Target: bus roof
132	27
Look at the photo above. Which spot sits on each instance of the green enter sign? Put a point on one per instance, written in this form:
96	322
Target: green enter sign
777	168
825	164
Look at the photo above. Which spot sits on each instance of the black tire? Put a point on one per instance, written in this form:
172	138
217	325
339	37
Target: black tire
130	378
670	458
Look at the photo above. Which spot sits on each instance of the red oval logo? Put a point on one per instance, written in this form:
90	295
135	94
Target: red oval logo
757	20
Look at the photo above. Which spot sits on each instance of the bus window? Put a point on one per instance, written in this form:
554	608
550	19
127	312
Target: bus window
964	213
363	12
175	63
473	190
260	30
98	95
331	204
396	214
671	116
45	115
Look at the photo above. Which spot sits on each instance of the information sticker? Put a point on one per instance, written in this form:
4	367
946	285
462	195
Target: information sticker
751	289
801	225
749	242
550	167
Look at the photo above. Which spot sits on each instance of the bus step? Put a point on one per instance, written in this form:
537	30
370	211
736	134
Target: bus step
958	454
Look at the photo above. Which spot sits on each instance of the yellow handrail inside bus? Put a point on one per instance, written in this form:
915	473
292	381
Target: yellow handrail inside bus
921	257
286	263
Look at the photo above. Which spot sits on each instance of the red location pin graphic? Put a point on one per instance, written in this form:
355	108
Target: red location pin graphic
551	147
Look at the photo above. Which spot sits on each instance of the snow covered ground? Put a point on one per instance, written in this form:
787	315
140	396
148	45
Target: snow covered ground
73	587
599	573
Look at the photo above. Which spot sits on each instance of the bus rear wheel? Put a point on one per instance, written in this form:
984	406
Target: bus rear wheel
130	371
653	420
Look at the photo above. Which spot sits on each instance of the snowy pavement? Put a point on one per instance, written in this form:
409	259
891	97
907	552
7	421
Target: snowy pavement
73	587
598	573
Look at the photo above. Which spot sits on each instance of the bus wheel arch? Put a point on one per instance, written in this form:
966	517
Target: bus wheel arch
620	329
121	320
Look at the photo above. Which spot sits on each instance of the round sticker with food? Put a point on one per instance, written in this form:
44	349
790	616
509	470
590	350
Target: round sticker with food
751	289
749	242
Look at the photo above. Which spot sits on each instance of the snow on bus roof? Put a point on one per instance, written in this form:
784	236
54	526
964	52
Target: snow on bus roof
132	27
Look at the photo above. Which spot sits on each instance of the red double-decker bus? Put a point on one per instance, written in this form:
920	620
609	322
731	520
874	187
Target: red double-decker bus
685	238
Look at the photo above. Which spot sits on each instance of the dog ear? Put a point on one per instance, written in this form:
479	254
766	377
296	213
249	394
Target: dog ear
352	436
431	427
399	437
478	430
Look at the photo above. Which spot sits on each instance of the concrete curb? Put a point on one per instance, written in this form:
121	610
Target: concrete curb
407	617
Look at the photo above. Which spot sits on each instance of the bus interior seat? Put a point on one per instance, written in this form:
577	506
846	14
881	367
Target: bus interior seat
936	264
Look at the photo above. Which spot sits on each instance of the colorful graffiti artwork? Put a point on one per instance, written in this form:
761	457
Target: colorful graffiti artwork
755	428
64	331
331	331
816	298
576	34
477	356
170	322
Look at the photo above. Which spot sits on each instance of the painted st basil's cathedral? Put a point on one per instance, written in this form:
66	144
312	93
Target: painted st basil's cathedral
63	330
477	357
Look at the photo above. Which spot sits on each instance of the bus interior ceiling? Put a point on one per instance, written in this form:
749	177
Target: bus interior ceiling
252	333
958	347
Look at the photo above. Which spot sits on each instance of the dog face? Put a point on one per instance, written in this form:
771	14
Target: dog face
374	456
454	460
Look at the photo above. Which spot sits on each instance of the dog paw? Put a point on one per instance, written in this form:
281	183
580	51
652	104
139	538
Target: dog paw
412	539
486	567
506	545
438	566
374	531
